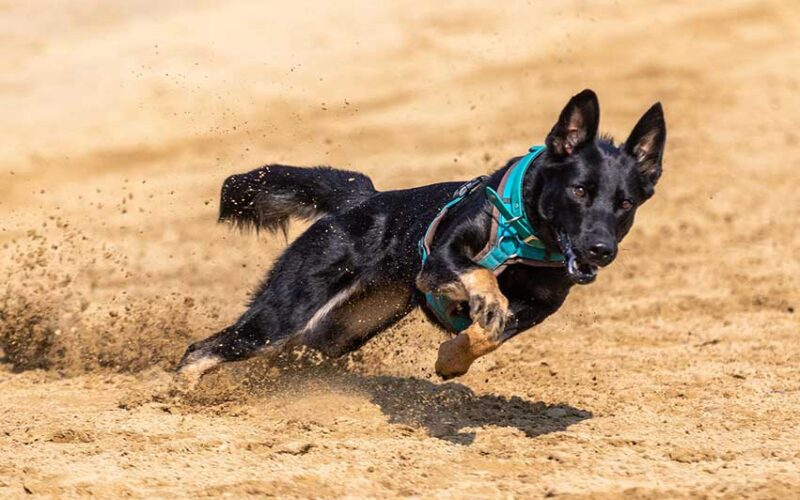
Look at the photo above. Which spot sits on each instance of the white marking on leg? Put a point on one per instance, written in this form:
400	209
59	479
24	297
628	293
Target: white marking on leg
194	370
334	302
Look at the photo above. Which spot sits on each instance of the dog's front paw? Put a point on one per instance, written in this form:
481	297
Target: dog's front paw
454	357
457	354
489	311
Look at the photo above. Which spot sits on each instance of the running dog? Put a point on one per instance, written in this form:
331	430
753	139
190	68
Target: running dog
485	260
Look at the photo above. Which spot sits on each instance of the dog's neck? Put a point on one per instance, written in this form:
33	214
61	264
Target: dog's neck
532	187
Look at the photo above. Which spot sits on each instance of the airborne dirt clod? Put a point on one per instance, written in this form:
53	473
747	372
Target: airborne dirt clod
675	375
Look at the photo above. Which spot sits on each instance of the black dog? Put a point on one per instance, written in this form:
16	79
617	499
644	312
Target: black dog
357	269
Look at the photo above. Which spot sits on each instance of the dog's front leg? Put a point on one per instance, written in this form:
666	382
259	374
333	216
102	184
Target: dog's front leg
457	354
488	309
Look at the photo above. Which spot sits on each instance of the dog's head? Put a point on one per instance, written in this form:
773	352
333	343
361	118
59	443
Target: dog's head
591	187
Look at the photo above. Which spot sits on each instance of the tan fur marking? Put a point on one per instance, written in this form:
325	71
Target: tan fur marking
455	290
481	281
457	354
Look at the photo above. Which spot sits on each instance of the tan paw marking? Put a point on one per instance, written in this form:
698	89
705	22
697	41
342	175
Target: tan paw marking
488	306
457	354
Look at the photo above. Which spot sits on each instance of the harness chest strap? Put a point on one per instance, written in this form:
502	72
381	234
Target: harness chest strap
512	238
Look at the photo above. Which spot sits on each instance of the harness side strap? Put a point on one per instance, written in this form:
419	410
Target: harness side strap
462	192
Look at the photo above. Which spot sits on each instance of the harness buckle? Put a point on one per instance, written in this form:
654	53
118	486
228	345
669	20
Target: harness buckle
530	239
469	187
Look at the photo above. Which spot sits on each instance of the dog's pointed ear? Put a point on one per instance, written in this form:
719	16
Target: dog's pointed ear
646	142
576	125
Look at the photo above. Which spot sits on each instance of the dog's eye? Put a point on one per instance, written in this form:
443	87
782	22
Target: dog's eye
626	205
579	191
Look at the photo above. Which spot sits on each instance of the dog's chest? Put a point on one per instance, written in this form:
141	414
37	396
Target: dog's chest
542	284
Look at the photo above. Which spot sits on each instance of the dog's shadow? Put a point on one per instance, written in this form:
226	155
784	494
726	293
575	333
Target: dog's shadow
446	410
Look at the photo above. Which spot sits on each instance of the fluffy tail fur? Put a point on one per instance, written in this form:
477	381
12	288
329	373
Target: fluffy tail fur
267	197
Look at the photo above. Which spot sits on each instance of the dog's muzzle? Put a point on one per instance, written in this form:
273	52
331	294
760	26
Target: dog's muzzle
581	273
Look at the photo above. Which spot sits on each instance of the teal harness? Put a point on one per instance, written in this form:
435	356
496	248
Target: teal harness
512	241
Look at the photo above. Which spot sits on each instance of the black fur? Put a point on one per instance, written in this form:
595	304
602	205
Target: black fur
359	263
266	197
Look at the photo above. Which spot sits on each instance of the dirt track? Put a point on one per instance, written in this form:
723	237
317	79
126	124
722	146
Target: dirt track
676	374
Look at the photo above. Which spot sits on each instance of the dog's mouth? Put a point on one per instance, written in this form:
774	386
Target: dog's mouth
579	271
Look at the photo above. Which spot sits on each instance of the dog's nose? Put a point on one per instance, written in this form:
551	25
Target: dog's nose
602	253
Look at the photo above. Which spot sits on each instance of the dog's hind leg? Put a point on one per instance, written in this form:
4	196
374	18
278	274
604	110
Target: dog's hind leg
305	301
311	273
341	324
239	341
344	326
270	326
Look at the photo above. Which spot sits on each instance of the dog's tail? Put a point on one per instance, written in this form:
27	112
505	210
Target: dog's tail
267	197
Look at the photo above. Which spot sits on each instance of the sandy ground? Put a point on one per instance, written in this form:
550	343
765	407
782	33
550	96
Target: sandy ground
675	375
